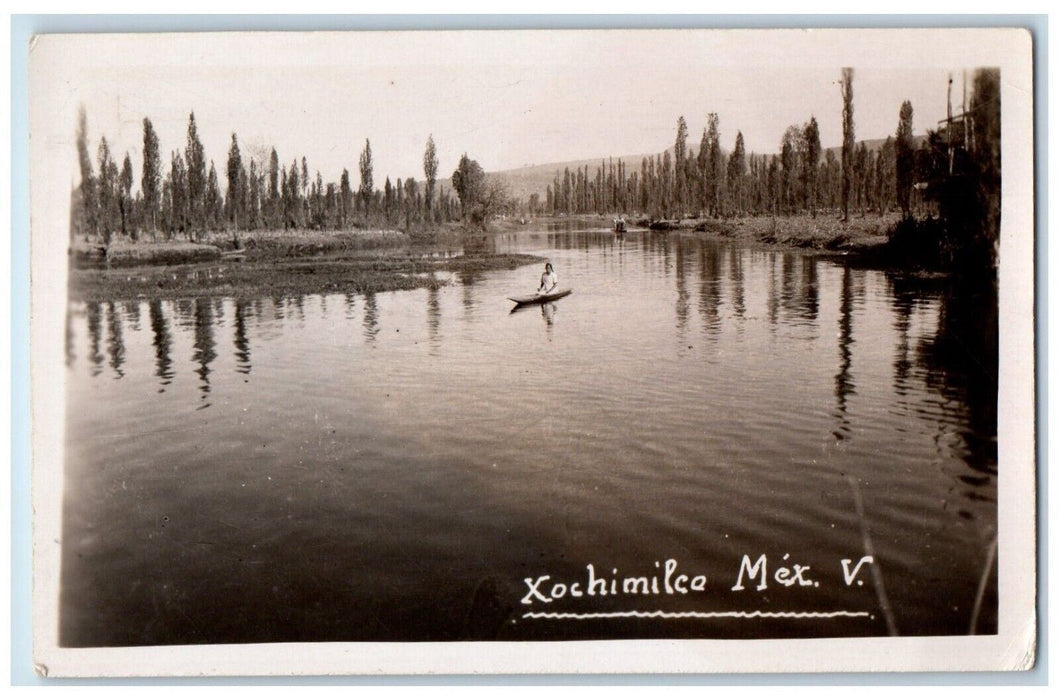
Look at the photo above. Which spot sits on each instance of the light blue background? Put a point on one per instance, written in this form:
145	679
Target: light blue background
25	26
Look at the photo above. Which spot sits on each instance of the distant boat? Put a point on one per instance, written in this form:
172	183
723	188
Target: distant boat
540	298
619	225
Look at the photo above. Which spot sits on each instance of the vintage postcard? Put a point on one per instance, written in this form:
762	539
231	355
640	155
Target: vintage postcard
533	351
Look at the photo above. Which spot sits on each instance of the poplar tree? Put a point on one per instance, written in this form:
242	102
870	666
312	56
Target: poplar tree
773	184
387	201
680	150
213	205
832	178
714	162
737	171
319	201
703	162
904	150
430	170
274	191
253	208
125	193
812	162
861	171
789	161
884	168
178	184
234	202
195	157
89	218
293	198
411	193
346	201
848	140
150	181
367	182
665	184
107	190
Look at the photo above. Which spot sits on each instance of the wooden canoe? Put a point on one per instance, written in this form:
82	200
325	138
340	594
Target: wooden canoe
540	298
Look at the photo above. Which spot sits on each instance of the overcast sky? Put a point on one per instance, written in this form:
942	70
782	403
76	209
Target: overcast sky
506	98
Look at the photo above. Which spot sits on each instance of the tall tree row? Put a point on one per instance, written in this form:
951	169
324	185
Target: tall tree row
184	196
801	178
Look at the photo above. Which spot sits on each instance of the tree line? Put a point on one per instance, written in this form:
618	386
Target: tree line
712	181
955	169
183	197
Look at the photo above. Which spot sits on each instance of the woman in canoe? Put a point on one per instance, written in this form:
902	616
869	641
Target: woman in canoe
549	282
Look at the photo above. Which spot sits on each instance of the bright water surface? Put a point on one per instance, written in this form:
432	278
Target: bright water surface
391	467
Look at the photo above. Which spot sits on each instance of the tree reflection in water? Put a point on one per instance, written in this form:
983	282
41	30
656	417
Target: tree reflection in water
843	380
242	341
163	343
95	334
204	346
115	340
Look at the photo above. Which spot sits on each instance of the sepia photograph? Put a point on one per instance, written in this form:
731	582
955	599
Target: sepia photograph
639	336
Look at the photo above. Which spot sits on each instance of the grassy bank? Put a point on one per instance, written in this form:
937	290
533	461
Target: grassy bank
121	254
281	263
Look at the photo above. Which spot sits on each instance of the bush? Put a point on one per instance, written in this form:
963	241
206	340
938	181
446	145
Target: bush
918	243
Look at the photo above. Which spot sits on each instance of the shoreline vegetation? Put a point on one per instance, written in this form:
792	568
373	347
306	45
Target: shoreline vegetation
921	205
279	263
368	261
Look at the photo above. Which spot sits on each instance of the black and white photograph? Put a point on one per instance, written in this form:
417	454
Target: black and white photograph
715	343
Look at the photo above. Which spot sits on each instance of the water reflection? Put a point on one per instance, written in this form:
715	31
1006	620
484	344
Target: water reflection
68	340
371	317
132	312
682	289
163	343
735	274
185	313
710	290
467	281
115	340
843	380
925	430
95	334
548	312
793	289
242	342
902	303
960	362
788	297
773	301
351	306
479	244
433	318
804	301
204	346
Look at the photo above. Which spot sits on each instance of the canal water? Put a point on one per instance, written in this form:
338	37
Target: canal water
395	466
